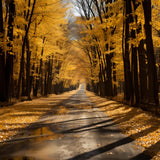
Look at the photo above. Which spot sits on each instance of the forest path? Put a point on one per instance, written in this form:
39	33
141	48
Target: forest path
80	132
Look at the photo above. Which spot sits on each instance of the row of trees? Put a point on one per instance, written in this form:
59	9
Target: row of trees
116	35
33	45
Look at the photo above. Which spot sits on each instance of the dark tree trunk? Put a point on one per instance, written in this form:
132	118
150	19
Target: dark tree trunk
142	73
126	59
28	66
41	70
102	89
98	10
115	80
9	56
36	83
109	85
134	69
24	83
50	76
100	82
2	77
152	70
45	80
2	60
134	64
21	73
135	90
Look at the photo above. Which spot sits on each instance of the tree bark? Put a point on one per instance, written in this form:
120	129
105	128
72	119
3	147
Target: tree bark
126	59
115	80
152	70
2	60
109	85
142	73
28	66
41	70
9	56
21	73
135	94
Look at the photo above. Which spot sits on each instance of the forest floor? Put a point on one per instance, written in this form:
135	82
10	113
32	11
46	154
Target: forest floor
142	126
13	101
86	127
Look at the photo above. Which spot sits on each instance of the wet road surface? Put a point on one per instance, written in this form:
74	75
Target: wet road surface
82	132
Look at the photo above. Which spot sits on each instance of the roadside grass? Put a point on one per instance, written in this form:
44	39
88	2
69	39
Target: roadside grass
142	126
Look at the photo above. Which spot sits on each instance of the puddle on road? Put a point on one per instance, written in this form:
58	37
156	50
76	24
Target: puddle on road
20	158
42	134
33	143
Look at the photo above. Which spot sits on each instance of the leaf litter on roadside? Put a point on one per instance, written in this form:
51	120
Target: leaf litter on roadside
16	117
136	123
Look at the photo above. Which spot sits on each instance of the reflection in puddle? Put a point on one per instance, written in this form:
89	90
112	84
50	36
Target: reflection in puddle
33	150
36	144
20	158
42	134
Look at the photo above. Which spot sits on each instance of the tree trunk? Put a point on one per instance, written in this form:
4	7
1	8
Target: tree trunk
28	66
127	73
50	76
21	73
41	70
109	85
142	73
134	69
45	80
135	90
115	80
9	56
2	60
152	70
36	83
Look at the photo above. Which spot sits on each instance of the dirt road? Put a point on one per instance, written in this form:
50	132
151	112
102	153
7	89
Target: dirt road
79	132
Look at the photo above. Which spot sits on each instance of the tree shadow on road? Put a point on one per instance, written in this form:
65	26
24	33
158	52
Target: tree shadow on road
138	124
100	150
